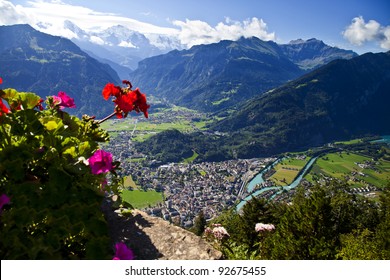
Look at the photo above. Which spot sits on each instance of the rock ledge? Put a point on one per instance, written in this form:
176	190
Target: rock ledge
154	238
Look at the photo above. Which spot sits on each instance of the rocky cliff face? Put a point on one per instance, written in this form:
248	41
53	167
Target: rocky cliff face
152	238
313	53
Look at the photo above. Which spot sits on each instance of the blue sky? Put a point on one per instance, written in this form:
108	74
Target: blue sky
361	25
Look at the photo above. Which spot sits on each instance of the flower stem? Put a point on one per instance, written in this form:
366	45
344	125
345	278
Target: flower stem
106	118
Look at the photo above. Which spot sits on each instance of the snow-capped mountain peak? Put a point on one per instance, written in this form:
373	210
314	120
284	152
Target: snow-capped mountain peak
117	43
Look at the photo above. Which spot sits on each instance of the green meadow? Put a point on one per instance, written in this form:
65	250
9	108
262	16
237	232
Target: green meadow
340	165
129	183
350	142
145	129
191	158
287	170
140	199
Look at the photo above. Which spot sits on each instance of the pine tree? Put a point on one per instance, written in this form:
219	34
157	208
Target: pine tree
199	224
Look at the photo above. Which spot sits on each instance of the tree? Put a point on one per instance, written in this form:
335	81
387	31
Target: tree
199	224
359	245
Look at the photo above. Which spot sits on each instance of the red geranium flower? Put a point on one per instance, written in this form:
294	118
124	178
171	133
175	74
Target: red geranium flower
39	105
3	108
140	104
111	90
126	101
132	100
126	82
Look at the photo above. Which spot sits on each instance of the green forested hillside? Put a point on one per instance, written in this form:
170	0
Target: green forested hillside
34	61
342	100
218	76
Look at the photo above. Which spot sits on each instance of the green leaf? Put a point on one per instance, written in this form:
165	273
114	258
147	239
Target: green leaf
53	240
98	249
97	226
9	94
71	151
29	100
52	124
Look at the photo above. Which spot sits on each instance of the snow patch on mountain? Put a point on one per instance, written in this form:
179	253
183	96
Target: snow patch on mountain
117	43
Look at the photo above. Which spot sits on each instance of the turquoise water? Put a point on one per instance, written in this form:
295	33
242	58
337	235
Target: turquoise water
259	179
385	139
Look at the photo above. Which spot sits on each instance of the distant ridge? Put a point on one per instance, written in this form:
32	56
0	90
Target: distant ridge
218	76
342	100
313	53
34	61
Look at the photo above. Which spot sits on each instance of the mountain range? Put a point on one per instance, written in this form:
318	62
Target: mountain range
312	53
119	44
206	77
341	100
34	61
221	75
269	98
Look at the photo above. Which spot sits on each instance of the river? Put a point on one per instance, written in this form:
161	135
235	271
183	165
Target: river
258	179
385	139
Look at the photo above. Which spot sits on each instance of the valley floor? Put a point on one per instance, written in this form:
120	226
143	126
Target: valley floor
187	188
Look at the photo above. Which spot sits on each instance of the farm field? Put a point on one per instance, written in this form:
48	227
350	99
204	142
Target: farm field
350	142
287	170
340	165
129	183
140	199
182	119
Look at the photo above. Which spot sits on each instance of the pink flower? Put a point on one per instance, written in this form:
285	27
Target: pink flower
4	199
216	231
264	227
100	162
56	100
122	252
220	232
66	101
208	231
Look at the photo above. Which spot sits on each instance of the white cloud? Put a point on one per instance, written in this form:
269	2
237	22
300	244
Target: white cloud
385	43
195	32
11	14
360	32
49	16
56	12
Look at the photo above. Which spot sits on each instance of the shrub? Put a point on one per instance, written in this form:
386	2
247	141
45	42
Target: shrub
54	177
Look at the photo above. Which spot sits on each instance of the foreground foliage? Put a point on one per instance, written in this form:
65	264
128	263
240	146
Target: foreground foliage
324	222
54	177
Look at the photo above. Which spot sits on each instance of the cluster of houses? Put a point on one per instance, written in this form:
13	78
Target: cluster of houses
188	189
209	187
